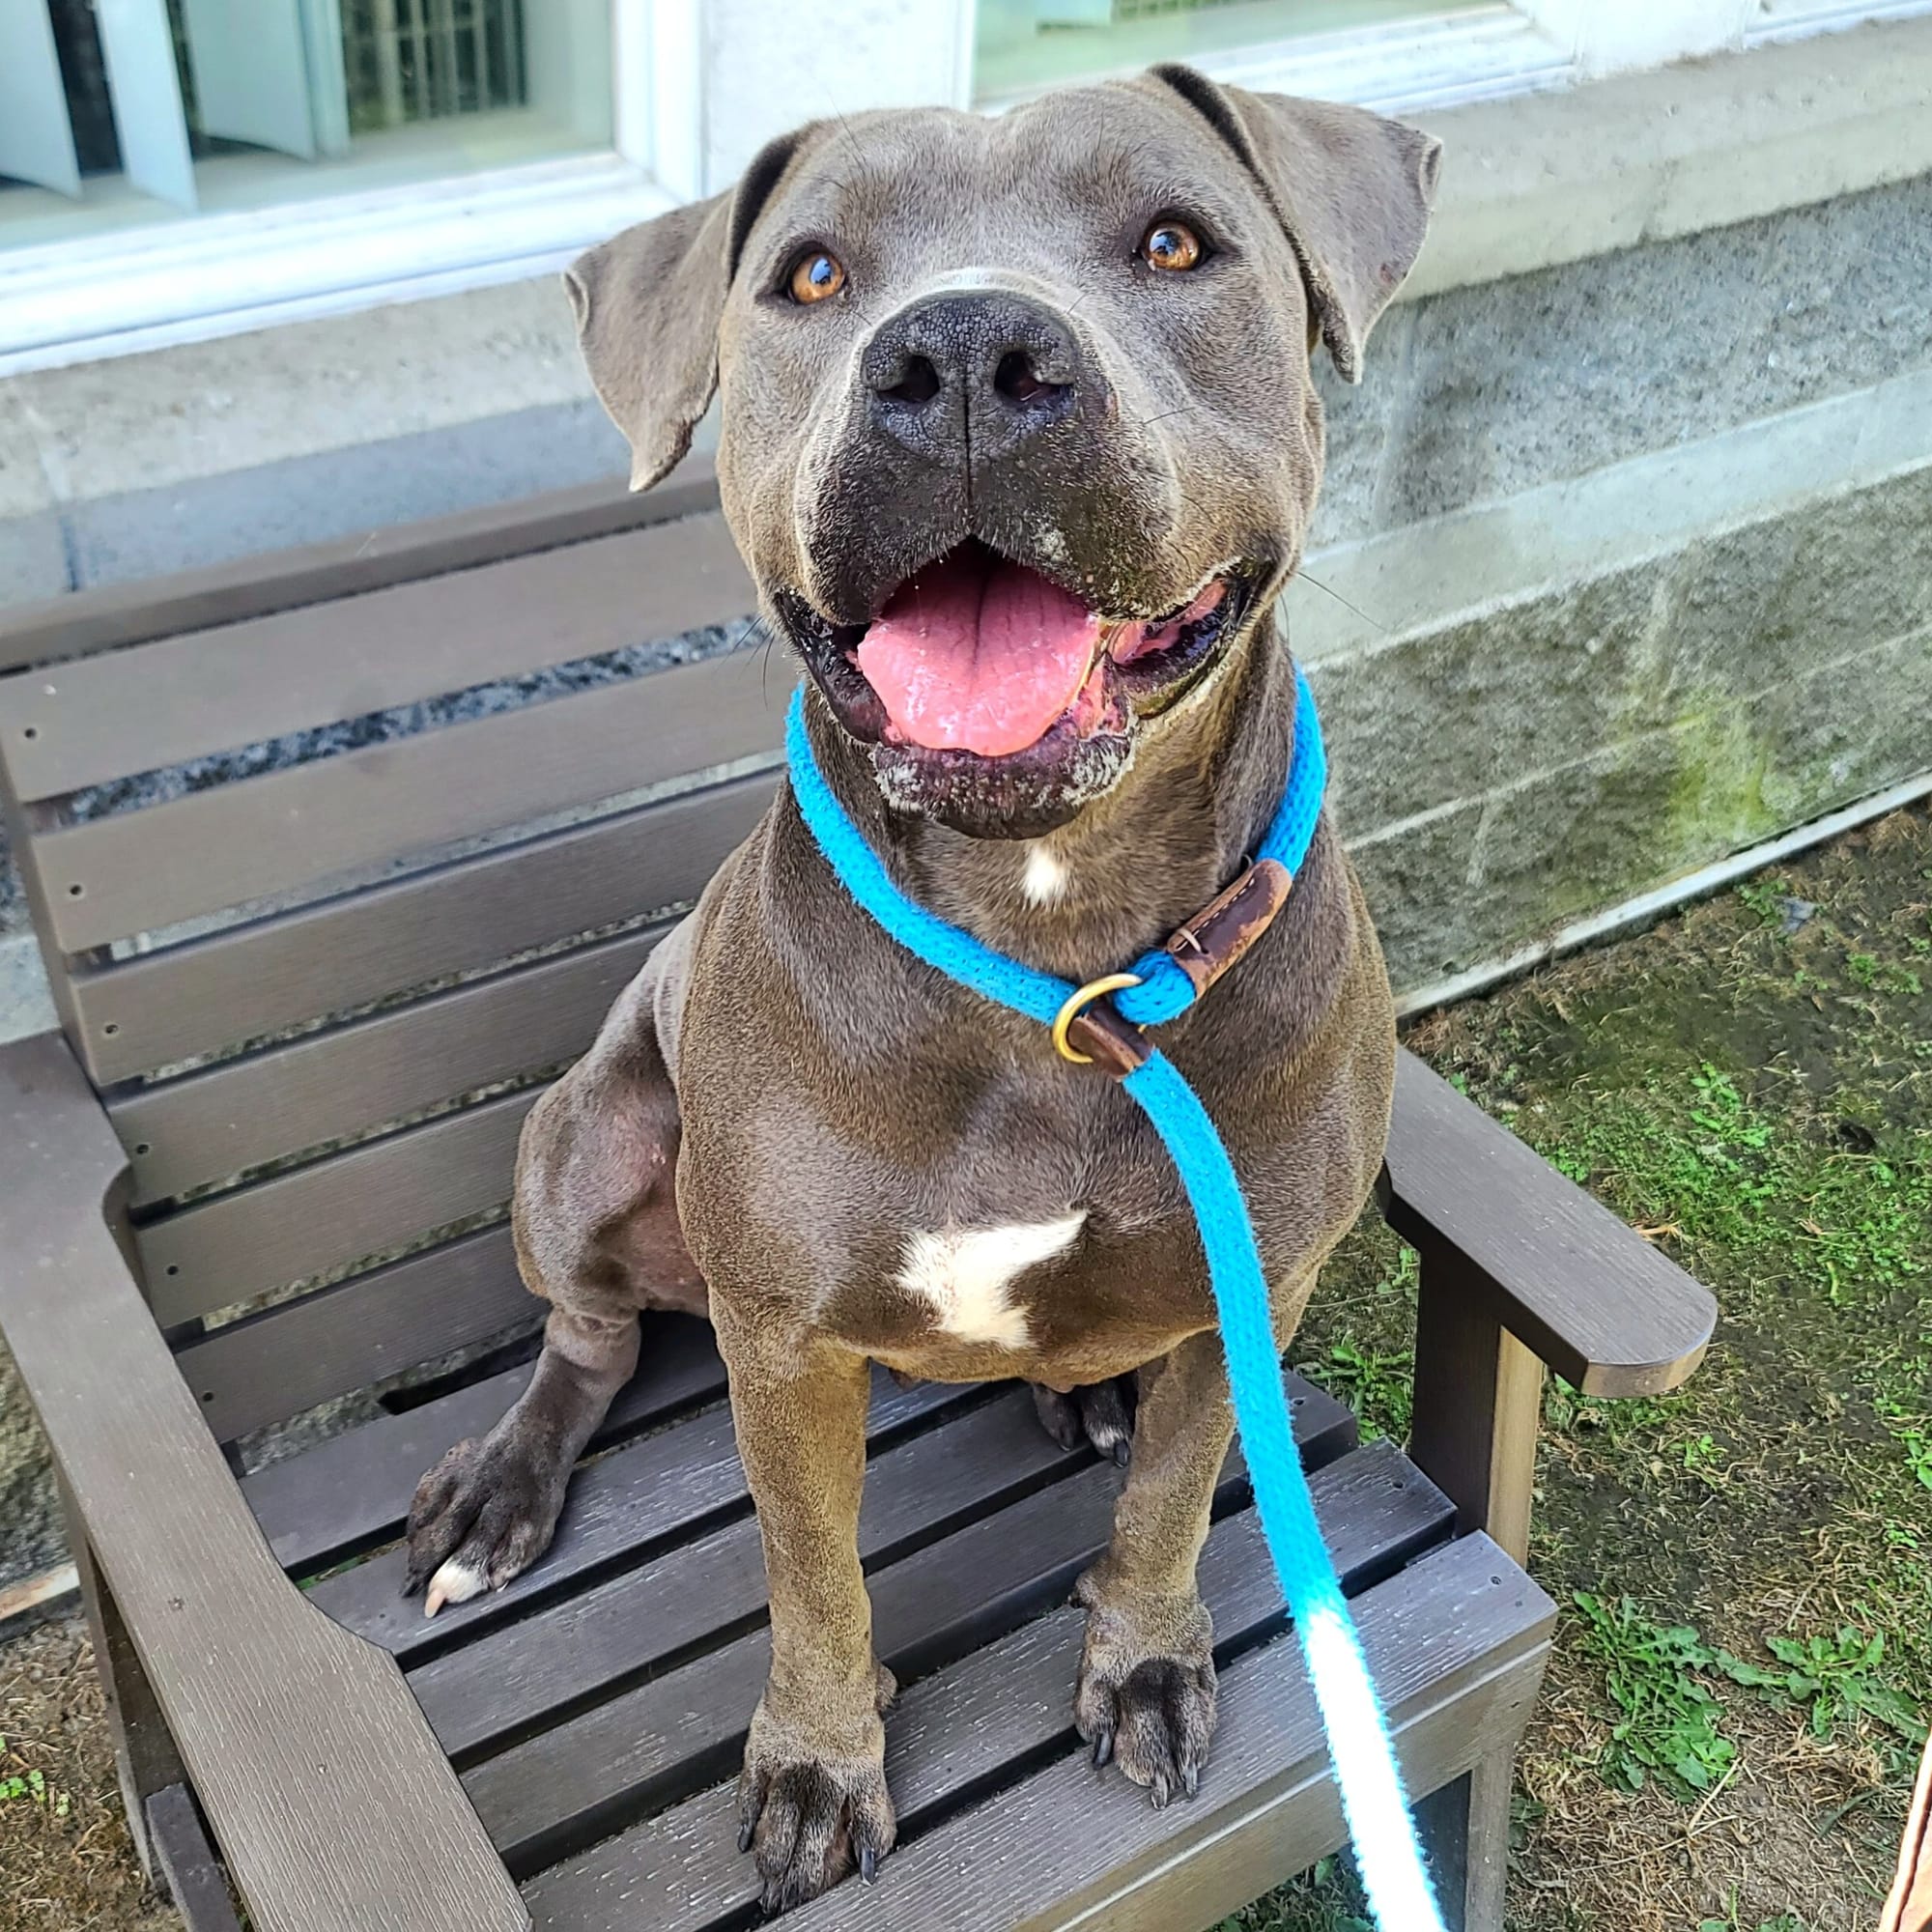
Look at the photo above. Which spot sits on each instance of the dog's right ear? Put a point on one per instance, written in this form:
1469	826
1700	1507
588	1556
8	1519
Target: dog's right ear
647	306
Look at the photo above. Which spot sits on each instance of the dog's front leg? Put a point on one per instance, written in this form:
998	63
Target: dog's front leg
489	1508
812	1800
1147	1689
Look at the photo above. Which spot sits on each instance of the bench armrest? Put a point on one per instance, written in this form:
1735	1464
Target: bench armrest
1567	1279
331	1800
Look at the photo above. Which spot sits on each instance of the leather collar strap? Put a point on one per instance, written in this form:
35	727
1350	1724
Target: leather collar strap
1104	1026
1203	948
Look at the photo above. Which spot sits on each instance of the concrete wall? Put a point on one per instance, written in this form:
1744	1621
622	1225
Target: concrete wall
1627	559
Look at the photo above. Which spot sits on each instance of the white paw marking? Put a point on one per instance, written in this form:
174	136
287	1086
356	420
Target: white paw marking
965	1272
1044	878
454	1584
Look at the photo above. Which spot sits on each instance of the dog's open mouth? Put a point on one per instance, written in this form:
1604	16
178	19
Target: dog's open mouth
974	653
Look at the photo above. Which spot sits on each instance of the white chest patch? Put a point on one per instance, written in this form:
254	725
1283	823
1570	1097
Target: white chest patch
965	1273
1044	878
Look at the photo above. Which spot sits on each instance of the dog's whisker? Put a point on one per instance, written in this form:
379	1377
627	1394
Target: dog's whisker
1186	409
1373	622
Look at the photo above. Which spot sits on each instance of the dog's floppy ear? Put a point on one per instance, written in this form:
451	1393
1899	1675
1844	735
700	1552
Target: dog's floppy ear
1352	191
648	303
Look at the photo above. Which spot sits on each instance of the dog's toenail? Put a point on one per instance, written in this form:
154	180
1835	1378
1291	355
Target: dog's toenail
744	1837
1191	1779
1103	1748
868	1865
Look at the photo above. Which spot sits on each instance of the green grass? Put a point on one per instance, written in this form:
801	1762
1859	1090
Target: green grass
1669	1721
1837	1678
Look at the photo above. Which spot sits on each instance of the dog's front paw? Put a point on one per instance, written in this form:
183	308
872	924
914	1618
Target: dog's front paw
480	1516
809	1815
1146	1698
1102	1413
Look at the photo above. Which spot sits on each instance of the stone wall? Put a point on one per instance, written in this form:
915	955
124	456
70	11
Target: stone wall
1624	567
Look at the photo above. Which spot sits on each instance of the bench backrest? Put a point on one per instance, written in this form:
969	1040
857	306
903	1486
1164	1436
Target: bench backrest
317	991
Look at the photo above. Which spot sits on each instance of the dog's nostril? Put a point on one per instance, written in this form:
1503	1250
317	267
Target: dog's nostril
1017	379
919	385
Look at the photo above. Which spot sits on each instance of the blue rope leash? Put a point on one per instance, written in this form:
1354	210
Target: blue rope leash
1388	1853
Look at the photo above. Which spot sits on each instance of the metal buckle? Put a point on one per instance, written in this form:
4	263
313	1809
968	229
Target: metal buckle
1078	1003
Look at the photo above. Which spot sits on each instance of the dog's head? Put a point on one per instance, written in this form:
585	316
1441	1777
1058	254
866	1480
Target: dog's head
1018	433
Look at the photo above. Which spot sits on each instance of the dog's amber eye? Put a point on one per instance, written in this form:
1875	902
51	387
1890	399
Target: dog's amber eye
816	274
1171	246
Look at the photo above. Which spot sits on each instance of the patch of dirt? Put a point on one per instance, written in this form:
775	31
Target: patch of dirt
65	1862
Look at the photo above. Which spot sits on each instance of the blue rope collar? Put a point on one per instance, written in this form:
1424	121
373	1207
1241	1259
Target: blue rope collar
1388	1855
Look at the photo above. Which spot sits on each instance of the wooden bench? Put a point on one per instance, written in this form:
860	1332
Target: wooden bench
262	1168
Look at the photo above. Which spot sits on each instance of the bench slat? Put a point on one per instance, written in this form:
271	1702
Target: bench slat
84	621
982	1712
289	831
187	696
267	1367
367	1073
1456	1643
352	1491
158	1008
366	1200
668	1487
654	1744
510	1679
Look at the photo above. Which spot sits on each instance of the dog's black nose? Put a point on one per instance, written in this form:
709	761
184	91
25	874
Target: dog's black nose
971	375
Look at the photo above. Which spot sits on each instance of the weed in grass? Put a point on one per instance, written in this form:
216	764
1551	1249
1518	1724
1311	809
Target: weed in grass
1669	1719
1785	1921
1835	1678
1378	1383
1913	1432
1883	975
1764	899
1568	1410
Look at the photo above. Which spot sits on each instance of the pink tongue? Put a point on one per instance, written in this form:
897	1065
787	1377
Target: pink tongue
977	655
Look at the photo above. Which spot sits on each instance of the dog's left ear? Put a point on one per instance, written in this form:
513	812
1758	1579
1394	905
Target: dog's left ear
1352	191
647	306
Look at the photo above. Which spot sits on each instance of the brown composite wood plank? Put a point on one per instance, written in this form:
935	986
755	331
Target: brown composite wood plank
328	1794
352	1491
197	1888
507	1680
182	697
288	831
368	1200
85	621
158	1008
653	1743
979	1720
267	1367
665	1486
369	1072
1457	1641
1588	1294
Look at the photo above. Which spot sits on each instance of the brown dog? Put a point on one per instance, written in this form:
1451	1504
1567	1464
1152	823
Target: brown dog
1020	443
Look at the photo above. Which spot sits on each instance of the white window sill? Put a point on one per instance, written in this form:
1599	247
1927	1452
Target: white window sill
1408	67
220	274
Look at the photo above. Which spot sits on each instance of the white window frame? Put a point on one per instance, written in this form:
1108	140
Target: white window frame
115	292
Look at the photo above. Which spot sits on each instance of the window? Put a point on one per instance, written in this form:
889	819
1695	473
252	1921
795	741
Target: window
141	110
173	168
